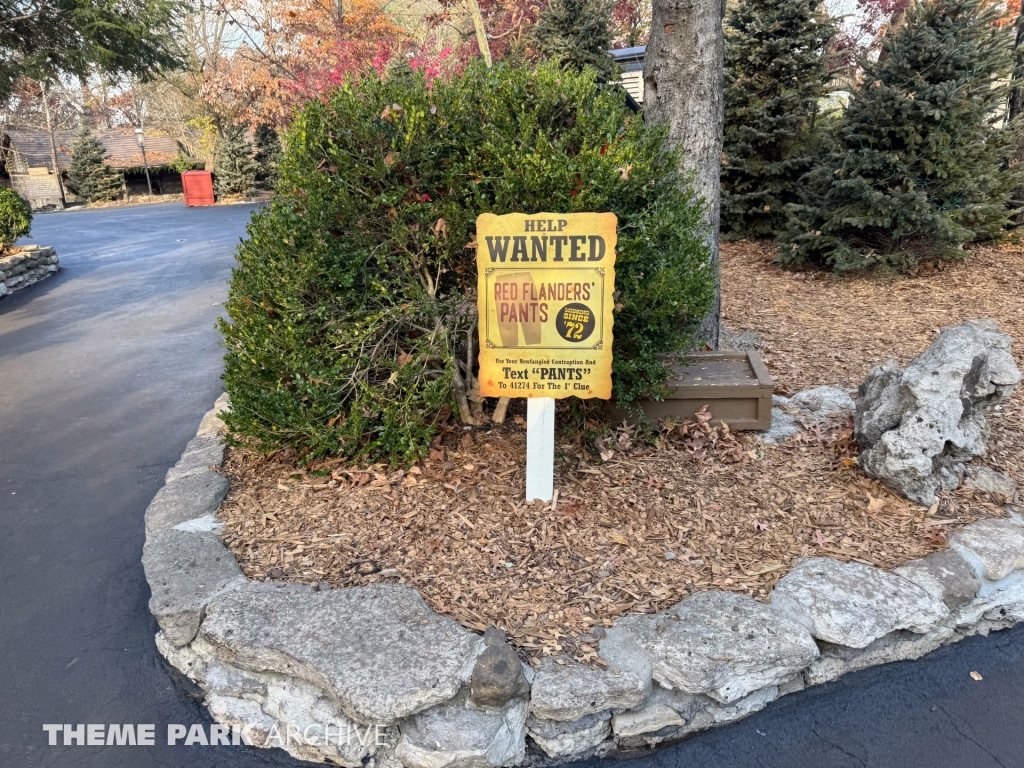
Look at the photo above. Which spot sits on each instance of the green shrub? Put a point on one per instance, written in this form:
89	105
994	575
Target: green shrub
355	291
234	170
89	176
919	165
775	73
15	217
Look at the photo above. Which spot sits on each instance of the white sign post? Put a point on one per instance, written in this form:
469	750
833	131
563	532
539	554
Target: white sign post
540	448
545	295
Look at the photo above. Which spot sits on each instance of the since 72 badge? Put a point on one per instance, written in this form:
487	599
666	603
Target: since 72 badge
545	303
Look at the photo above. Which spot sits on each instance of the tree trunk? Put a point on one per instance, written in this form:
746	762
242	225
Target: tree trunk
683	78
53	145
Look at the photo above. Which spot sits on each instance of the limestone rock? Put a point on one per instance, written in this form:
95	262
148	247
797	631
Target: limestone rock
853	604
185	572
379	651
739	342
805	409
918	426
721	644
989	480
186	499
454	737
498	673
212	425
823	401
998	544
945	576
200	454
836	660
561	739
648	719
572	691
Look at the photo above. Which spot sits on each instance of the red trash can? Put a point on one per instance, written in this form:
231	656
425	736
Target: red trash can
198	186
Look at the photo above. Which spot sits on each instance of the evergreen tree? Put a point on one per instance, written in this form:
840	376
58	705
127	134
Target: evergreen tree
576	34
234	170
920	166
89	175
775	75
267	155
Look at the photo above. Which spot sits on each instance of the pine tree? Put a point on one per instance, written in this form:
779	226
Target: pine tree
234	170
576	34
920	166
267	145
775	75
89	176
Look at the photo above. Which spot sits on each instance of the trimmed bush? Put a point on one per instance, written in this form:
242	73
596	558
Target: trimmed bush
15	218
920	165
355	291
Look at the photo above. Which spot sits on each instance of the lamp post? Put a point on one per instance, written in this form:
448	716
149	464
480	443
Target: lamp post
141	138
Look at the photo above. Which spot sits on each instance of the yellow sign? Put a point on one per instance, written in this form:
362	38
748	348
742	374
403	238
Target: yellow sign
545	301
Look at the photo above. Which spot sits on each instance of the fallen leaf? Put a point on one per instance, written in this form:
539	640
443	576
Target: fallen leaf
876	505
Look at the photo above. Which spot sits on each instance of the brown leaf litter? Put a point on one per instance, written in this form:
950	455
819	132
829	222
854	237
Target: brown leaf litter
701	509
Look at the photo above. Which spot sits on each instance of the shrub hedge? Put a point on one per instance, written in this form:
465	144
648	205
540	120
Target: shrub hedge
354	292
15	217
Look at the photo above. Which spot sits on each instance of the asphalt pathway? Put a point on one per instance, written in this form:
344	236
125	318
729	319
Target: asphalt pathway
105	371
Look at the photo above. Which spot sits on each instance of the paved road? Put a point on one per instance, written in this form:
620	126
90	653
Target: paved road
105	371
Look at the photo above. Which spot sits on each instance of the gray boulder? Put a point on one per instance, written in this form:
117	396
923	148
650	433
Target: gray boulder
721	644
990	481
185	572
945	576
187	498
454	737
853	604
569	739
791	415
997	544
919	425
573	691
498	673
378	651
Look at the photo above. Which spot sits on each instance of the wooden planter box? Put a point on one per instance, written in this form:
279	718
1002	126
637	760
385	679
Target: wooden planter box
735	386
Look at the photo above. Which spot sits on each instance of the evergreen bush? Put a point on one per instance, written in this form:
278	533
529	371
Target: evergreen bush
775	75
577	34
89	176
920	164
15	217
234	170
267	146
354	294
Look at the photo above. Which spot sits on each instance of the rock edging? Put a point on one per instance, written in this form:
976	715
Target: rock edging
370	676
29	265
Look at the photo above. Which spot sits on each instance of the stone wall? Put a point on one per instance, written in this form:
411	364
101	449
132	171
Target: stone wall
40	190
29	265
399	685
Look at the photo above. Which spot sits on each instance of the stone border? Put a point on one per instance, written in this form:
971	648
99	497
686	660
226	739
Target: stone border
28	266
399	685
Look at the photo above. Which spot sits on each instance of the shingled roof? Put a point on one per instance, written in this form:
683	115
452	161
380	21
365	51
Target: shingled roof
32	148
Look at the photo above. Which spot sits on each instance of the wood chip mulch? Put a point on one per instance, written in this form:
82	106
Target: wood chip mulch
701	509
